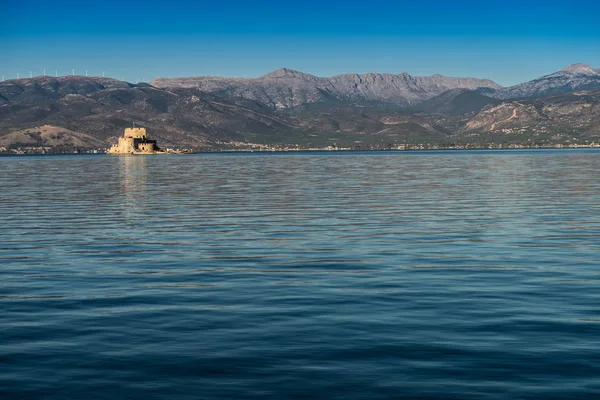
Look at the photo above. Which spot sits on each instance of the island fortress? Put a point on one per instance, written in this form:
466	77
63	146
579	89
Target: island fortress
134	141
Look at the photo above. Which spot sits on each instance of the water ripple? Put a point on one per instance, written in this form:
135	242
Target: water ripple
458	275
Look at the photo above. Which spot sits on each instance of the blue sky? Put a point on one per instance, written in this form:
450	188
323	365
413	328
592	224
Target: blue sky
508	41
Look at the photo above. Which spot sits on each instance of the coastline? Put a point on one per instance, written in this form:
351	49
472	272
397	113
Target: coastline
416	149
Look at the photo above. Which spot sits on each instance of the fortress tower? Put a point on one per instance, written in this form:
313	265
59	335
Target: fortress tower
135	133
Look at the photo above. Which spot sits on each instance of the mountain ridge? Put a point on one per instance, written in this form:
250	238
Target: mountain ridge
285	88
85	111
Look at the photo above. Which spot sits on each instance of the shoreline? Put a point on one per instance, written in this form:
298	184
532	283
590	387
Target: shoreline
308	150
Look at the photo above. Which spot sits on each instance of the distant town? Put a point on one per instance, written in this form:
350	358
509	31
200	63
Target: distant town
41	150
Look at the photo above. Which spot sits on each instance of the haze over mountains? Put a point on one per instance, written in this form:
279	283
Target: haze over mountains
287	107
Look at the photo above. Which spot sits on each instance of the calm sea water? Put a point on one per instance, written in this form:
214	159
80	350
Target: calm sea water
451	275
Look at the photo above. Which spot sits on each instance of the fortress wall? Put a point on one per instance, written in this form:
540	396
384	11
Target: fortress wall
126	145
147	147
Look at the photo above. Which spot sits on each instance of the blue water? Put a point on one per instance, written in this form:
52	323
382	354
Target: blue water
375	275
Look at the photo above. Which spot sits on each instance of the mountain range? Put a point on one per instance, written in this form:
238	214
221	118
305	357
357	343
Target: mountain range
291	108
287	89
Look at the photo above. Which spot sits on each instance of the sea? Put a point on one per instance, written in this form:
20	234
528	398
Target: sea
332	275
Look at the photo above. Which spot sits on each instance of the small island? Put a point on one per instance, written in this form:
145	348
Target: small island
135	141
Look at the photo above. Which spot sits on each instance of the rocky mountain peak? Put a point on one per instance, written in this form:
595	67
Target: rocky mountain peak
571	78
581	68
286	73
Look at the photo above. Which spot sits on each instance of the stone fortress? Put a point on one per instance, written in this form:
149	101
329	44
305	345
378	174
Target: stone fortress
134	141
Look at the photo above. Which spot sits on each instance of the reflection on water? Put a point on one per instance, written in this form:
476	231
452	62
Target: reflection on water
460	275
133	176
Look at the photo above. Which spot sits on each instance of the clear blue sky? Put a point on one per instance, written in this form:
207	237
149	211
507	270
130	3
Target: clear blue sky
507	41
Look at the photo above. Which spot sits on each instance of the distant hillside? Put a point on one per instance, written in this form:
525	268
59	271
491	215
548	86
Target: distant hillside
456	102
50	136
39	90
572	114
